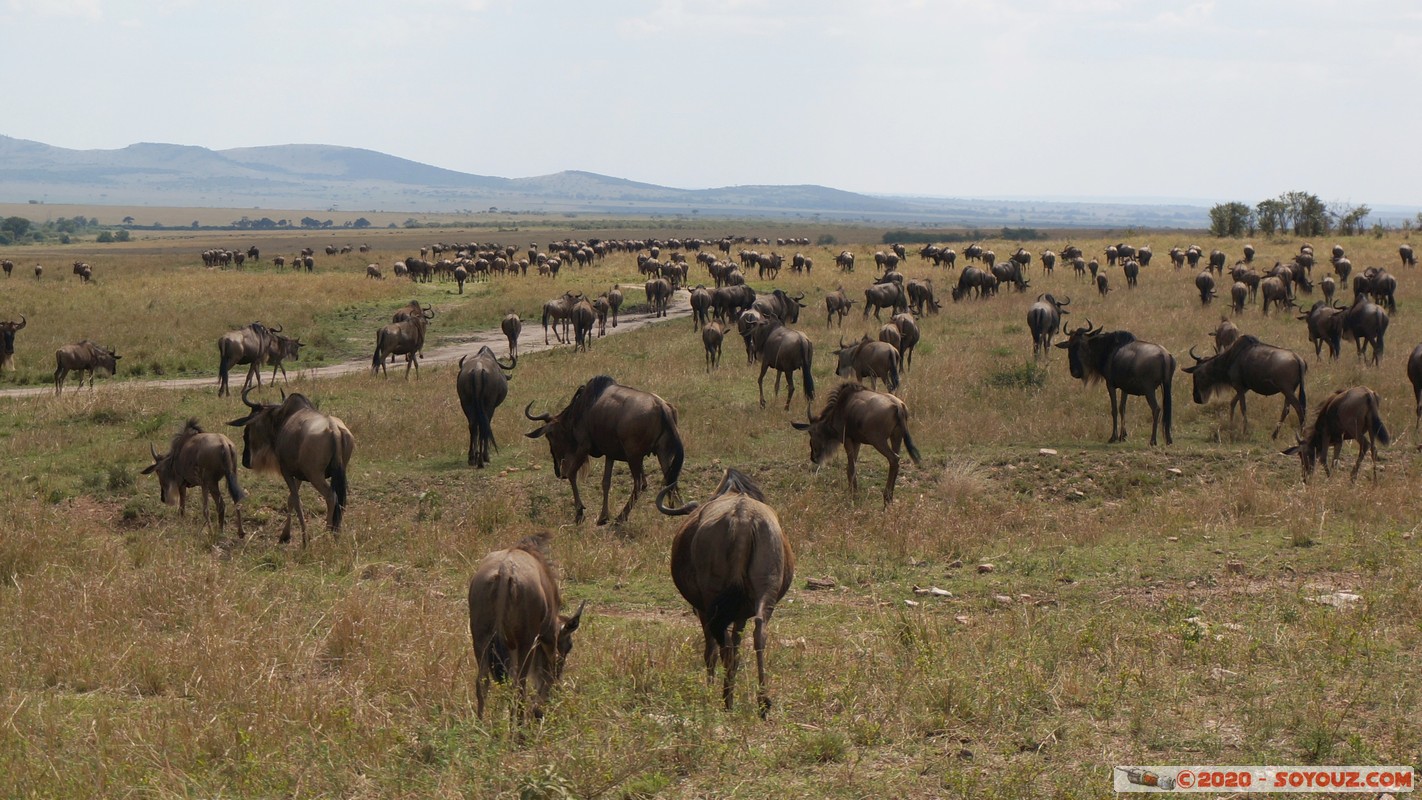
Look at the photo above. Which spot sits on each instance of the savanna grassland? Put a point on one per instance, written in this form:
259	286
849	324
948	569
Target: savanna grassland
1144	605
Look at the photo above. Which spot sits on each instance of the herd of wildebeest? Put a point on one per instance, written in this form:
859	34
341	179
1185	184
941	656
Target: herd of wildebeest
730	559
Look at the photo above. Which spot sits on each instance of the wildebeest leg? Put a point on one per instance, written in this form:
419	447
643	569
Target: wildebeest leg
1362	452
1289	402
639	482
1243	412
893	458
764	365
851	452
1111	395
578	508
182	501
410	362
254	370
789	387
607	489
762	696
206	515
293	505
328	494
1154	415
730	652
712	647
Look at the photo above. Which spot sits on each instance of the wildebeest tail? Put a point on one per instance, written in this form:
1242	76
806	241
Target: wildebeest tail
476	411
673	454
336	474
1167	403
232	487
894	369
224	366
379	347
908	439
807	357
1375	420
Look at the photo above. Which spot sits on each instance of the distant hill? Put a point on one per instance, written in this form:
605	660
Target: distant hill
321	176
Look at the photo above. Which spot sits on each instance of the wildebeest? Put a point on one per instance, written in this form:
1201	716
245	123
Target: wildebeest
908	338
659	292
884	295
732	563
195	458
837	304
700	306
512	326
889	334
560	310
786	351
1044	319
971	279
614	302
712	333
1131	268
515	625
8	265
780	305
1238	295
250	345
583	317
482	386
920	295
85	356
855	415
373	271
1414	375
1205	284
294	440
7	341
1103	286
1276	293
1325	326
874	360
1129	366
403	338
619	423
1404	251
1366	323
729	302
1249	254
1249	365
1346	414
1224	334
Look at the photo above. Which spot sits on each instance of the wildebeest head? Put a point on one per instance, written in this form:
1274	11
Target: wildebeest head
1077	345
260	429
561	430
165	467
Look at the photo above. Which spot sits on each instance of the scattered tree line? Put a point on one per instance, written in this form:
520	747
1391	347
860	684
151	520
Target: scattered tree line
1297	213
19	230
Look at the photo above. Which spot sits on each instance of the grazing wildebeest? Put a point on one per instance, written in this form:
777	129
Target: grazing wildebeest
8	265
1276	293
884	295
732	563
512	326
920	295
1329	287
1249	254
780	305
85	356
1044	319
280	348
515	625
294	440
1404	251
1345	414
373	271
908	338
837	304
729	302
786	351
1103	286
1365	323
404	338
7	342
619	423
1131	268
1224	334
1205	284
1249	365
1239	295
874	360
195	458
1129	366
889	334
482	386
1325	326
711	335
855	415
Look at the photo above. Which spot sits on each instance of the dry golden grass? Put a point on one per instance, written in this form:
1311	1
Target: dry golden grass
140	653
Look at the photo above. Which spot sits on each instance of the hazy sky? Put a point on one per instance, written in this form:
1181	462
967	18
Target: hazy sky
1226	100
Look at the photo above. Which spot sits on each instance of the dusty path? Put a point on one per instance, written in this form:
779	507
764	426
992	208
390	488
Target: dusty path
445	350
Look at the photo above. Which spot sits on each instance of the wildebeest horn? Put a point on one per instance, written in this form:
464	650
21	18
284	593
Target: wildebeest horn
154	451
250	404
22	322
461	360
673	512
275	329
540	418
1192	355
1065	301
513	362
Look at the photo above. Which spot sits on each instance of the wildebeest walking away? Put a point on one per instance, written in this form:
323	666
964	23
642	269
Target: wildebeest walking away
1345	414
786	351
1249	365
869	359
482	386
515	625
512	326
85	356
855	415
196	458
1044	319
402	337
294	440
1129	367
732	563
607	420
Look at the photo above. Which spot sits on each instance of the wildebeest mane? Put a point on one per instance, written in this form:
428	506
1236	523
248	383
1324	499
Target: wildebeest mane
537	545
191	429
586	396
1099	349
837	398
739	483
